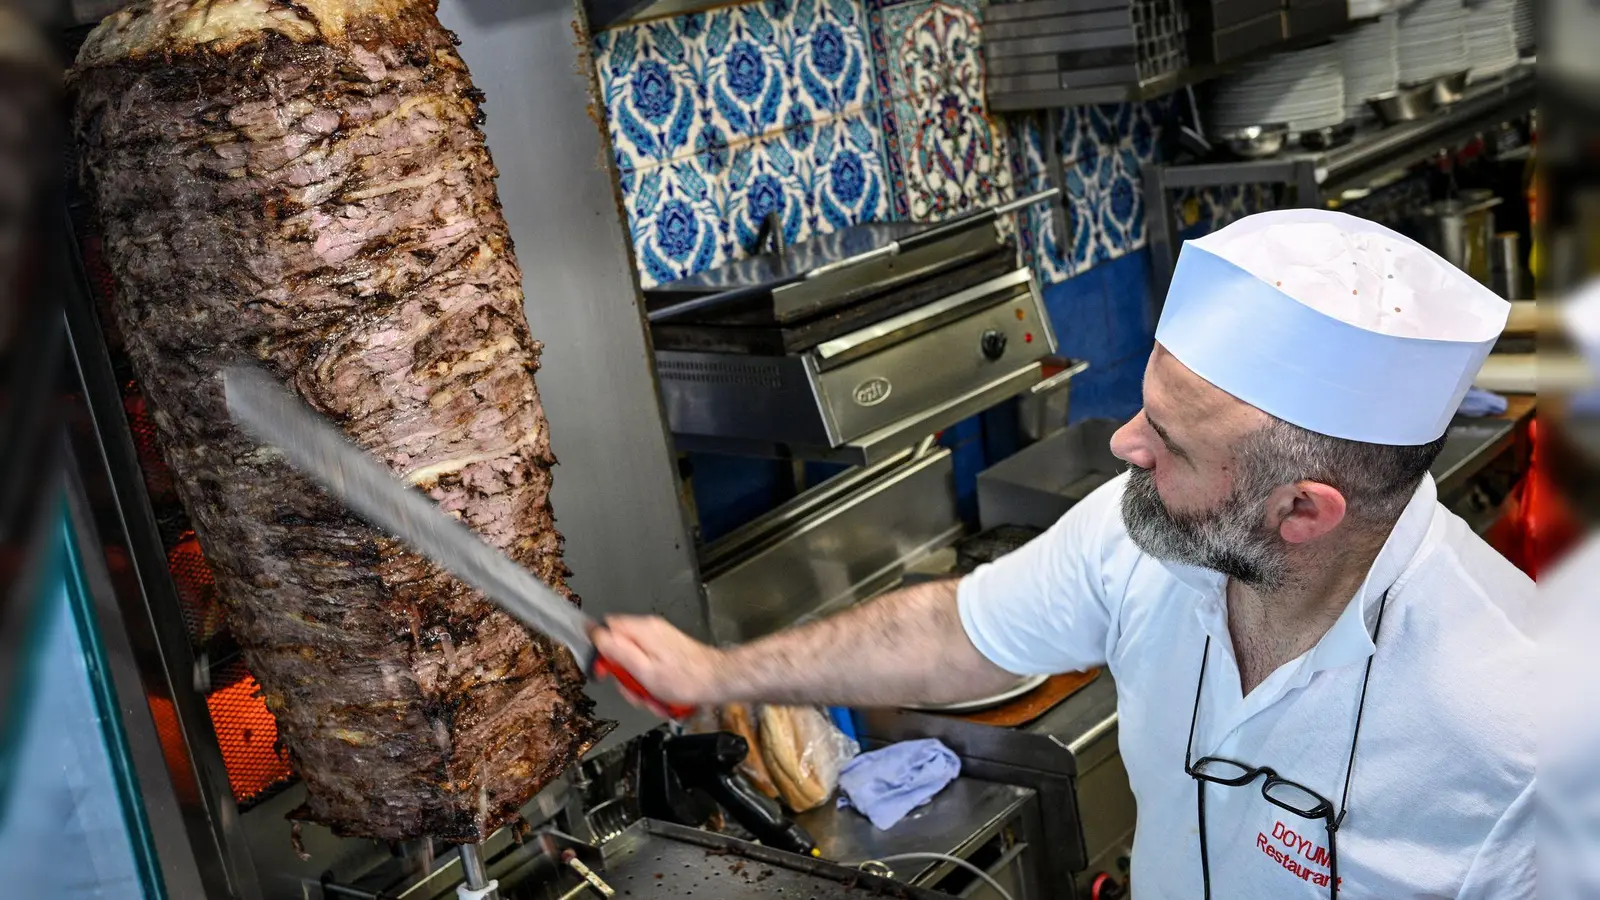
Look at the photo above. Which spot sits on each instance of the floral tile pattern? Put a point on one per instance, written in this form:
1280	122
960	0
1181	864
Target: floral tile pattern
1036	225
832	112
946	154
1104	150
721	118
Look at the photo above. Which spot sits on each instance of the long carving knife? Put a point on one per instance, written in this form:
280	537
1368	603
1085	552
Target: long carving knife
314	446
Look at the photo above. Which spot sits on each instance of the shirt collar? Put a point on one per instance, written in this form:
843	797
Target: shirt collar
1350	639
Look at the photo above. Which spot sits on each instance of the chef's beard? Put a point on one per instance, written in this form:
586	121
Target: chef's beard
1231	538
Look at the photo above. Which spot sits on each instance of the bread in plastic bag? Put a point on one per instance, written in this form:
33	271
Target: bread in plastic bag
803	752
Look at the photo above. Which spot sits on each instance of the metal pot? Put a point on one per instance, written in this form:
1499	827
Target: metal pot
1447	89
1462	231
1403	104
1255	142
1508	265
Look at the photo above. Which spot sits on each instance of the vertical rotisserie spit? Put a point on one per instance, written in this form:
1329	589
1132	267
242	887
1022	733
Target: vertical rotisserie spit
305	184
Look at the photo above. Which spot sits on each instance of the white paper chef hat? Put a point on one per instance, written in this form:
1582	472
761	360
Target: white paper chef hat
1334	323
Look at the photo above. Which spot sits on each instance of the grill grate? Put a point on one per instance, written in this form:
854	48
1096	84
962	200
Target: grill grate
197	590
248	736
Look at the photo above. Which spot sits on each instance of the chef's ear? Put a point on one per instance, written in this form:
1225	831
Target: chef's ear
1306	510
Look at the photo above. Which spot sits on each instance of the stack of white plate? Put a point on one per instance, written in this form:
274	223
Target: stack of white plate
1522	24
1369	62
1491	39
1301	89
1433	41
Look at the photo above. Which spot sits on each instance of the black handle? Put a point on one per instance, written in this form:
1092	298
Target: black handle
759	814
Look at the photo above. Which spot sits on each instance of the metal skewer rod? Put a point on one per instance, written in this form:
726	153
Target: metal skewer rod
474	877
472	866
1031	199
936	233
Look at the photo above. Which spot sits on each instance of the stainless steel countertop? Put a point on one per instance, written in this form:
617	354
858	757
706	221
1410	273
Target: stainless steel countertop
960	817
1469	445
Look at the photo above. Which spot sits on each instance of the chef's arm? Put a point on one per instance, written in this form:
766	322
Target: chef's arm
904	647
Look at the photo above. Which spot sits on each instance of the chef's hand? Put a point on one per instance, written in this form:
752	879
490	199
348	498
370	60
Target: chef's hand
672	666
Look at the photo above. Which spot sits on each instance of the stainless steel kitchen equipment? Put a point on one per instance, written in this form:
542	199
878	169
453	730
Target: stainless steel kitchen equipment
1447	89
1044	53
857	363
1404	104
1461	230
832	546
648	858
1507	265
1481	464
1068	756
1311	179
1255	142
1067	753
1036	485
1043	409
992	826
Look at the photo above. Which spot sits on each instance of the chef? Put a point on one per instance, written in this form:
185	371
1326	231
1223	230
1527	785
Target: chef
1324	678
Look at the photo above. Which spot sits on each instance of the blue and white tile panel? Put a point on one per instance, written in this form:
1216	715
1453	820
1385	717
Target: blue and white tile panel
833	112
719	118
946	154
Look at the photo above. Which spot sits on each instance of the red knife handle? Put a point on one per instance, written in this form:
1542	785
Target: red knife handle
676	711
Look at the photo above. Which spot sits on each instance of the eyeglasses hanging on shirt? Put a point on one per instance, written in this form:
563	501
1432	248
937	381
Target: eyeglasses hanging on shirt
1279	791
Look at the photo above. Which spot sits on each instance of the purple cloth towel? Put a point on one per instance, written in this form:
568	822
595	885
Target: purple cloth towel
885	785
1479	402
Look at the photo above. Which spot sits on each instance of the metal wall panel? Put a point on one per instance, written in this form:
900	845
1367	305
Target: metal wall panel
615	493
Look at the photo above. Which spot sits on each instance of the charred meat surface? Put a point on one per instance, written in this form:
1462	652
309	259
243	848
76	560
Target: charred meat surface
305	184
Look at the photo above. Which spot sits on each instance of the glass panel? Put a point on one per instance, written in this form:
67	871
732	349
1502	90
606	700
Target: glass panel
1221	769
64	832
1297	798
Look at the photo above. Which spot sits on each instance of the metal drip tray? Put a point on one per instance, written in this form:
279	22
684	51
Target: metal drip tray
660	860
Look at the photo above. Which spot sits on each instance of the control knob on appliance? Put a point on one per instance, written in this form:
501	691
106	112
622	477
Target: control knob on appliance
993	344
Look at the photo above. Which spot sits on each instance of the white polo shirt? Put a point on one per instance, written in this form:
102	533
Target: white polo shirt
1441	800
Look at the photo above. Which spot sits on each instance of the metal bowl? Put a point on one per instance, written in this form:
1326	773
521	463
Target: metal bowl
1255	142
1447	89
1403	105
1321	139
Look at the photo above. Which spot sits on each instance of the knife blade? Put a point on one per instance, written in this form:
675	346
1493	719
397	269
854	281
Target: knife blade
317	448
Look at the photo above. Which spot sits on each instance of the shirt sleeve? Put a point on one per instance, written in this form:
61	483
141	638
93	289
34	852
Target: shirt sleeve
1504	867
1043	609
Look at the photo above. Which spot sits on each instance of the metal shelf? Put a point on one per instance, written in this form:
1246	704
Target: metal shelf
1317	176
1154	86
1137	92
